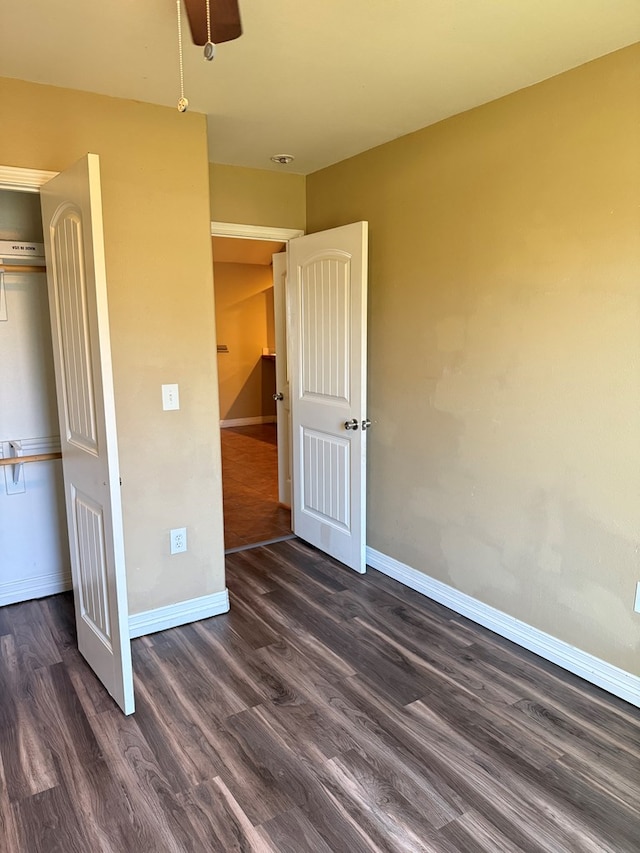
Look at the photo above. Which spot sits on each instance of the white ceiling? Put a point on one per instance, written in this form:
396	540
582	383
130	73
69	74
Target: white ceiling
322	80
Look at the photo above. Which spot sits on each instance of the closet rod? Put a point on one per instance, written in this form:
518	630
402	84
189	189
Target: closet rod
35	457
21	268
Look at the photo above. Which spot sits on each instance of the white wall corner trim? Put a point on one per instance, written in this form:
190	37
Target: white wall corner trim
587	666
181	613
260	419
37	587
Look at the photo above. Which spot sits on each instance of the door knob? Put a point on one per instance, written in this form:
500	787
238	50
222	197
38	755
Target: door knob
352	424
278	396
366	423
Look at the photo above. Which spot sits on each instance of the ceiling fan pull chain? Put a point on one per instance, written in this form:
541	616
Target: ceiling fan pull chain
183	102
209	48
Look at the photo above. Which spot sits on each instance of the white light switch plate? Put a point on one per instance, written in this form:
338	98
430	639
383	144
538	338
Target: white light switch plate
636	606
170	397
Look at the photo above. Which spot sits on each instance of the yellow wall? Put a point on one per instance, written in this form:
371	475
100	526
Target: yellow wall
159	270
505	350
244	322
256	196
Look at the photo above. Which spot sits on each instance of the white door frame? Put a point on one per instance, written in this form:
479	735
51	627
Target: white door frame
254	232
24	180
283	391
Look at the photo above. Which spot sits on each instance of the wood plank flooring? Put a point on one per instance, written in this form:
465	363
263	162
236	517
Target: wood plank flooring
325	712
252	513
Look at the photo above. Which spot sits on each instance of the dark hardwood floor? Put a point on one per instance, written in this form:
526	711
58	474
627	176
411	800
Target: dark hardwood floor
325	712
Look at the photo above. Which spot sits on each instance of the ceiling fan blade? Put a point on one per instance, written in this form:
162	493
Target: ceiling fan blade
225	20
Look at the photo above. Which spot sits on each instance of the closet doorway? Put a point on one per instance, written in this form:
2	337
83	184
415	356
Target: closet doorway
34	550
246	320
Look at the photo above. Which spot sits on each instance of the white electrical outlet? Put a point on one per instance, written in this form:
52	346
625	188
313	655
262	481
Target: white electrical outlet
170	397
636	606
178	539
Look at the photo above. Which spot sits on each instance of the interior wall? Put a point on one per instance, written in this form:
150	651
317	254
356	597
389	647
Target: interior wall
504	350
244	322
257	196
20	217
159	272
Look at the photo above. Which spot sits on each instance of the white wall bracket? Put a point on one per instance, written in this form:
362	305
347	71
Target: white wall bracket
25	450
13	474
16	452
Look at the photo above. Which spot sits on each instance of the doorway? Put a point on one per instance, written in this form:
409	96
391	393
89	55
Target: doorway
245	323
322	379
33	529
252	512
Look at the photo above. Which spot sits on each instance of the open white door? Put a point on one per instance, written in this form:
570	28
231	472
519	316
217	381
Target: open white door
74	247
327	293
282	395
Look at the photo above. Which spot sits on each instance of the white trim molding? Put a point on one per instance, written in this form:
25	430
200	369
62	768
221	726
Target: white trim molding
24	180
587	666
24	590
254	232
236	422
181	613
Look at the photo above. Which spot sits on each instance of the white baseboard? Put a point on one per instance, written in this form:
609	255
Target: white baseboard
182	613
37	587
593	669
236	422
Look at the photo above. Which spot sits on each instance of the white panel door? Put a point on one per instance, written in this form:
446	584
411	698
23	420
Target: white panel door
283	397
327	290
74	246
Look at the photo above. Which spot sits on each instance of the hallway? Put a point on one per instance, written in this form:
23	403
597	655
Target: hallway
252	513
